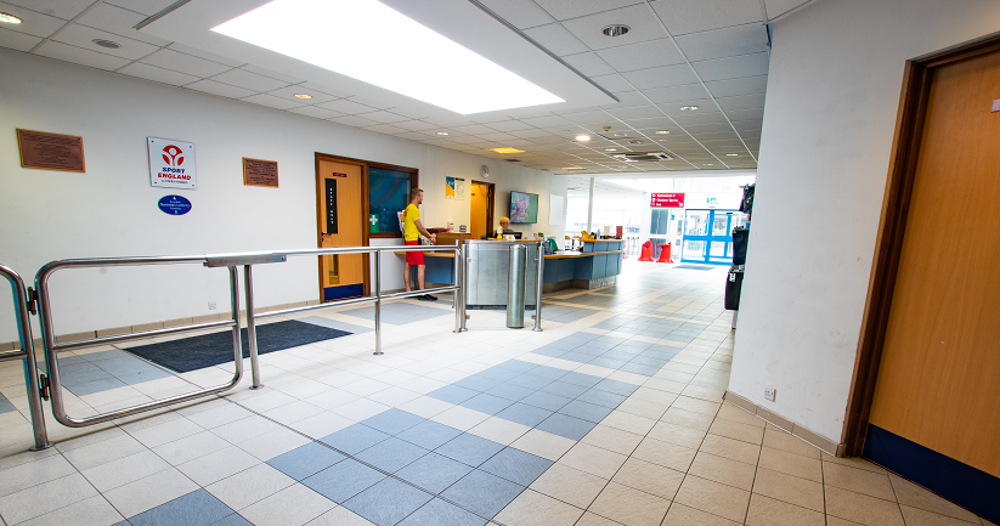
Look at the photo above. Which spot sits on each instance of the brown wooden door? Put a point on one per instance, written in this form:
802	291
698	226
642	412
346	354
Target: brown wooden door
481	213
940	362
341	224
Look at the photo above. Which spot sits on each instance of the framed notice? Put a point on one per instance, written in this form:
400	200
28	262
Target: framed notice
171	164
50	151
258	172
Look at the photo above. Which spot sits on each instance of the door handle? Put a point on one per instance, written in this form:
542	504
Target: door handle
327	235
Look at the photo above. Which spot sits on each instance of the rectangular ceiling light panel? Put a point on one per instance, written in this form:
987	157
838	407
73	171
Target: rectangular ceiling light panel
368	41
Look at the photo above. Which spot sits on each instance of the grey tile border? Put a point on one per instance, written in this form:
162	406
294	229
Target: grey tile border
809	436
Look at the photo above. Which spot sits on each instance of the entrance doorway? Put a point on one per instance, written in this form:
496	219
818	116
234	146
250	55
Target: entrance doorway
341	224
708	236
481	213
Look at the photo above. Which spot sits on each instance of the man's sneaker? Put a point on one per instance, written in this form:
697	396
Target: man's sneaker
426	297
431	298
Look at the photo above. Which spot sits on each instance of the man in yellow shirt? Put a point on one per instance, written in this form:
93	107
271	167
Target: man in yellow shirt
412	230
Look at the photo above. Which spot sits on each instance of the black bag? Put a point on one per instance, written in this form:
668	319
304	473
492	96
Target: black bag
741	238
734	284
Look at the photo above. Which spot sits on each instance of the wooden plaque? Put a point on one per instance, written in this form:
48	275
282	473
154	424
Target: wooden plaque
50	151
258	172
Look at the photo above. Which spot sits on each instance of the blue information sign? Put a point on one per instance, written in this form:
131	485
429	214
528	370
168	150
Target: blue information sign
174	205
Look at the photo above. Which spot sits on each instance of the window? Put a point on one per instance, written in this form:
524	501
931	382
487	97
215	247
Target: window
388	193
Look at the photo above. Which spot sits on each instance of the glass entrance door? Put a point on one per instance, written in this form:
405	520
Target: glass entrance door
708	236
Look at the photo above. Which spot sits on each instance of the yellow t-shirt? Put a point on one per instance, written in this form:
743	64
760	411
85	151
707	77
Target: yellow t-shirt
411	216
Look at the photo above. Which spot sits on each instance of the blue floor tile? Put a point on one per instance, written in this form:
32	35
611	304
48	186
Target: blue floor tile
343	480
477	383
6	406
517	366
530	381
610	363
650	360
354	439
198	508
387	502
552	402
510	392
516	466
524	414
470	449
576	378
604	398
616	387
440	513
576	356
566	426
565	389
497	374
434	472
393	421
586	411
429	435
548	372
483	493
487	403
233	520
453	394
552	352
305	461
638	368
391	455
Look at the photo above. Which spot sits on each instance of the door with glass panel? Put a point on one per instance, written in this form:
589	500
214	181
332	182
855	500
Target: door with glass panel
341	223
708	236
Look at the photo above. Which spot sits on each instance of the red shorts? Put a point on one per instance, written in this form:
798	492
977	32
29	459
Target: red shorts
414	258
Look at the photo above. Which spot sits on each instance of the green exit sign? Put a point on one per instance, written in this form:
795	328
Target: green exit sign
710	200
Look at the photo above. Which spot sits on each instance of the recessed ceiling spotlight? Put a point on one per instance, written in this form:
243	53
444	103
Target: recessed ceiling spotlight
662	132
635	142
506	149
583	137
442	133
616	30
571	168
110	44
303	96
708	164
688	108
8	18
611	149
732	155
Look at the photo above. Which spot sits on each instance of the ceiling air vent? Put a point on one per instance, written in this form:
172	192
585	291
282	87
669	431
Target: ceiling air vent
635	157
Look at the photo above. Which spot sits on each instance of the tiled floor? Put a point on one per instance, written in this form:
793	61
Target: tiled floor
612	415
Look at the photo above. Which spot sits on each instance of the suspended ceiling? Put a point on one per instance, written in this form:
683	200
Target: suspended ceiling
619	90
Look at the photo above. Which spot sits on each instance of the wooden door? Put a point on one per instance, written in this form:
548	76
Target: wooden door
481	213
940	361
341	224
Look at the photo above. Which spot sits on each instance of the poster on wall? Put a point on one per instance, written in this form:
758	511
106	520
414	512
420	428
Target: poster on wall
171	164
556	210
454	188
50	151
258	172
666	200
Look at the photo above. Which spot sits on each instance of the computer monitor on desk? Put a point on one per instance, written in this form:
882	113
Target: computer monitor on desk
517	235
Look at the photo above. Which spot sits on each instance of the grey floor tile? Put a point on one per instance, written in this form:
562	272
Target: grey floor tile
565	389
392	454
616	387
440	513
470	449
434	472
429	435
516	466
452	394
6	406
510	392
343	480
198	508
387	502
233	520
603	398
524	414
586	411
552	402
487	403
566	426
334	324
354	439
305	461
393	421
483	493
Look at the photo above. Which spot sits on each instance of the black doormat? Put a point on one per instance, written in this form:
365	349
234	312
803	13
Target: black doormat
694	267
199	352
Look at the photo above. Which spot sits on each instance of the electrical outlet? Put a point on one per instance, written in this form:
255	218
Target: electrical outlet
769	393
211	305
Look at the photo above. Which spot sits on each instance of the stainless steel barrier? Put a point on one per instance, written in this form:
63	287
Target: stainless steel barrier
27	352
539	275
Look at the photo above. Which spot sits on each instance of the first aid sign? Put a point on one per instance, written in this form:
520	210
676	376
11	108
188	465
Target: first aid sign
171	164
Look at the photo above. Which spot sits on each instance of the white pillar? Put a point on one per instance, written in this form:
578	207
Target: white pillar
590	208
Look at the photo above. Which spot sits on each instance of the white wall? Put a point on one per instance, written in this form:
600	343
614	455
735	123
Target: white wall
832	99
111	209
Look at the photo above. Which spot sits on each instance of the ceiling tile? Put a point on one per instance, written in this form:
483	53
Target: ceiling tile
81	56
414	136
374	103
118	21
347	107
324	89
508	126
251	81
472	129
662	77
184	63
636	112
146	7
714	127
683	94
642	27
271	101
587	118
565	9
220	89
521	13
64	9
383	117
744	102
776	8
353	120
497	137
589	64
315	111
530	134
212	57
287	79
629	98
644	55
751	65
755	114
557	39
18	41
741	86
728	42
83	37
166	76
690	16
614	83
386	129
542	122
289	92
416	125
32	22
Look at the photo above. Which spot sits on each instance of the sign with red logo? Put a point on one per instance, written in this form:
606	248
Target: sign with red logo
675	200
171	164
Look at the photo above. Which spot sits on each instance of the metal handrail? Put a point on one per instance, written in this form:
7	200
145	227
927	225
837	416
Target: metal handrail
27	352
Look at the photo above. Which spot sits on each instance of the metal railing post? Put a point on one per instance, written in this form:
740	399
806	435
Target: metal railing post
234	306
458	292
30	365
464	289
538	287
378	303
251	328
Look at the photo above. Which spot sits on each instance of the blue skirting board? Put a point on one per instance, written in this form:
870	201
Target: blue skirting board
974	490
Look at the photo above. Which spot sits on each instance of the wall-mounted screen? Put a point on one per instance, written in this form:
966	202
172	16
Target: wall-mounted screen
523	207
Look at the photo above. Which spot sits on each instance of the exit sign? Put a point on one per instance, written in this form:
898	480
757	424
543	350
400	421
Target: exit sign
666	200
710	200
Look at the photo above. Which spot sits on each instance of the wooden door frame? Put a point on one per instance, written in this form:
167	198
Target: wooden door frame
490	204
365	199
917	80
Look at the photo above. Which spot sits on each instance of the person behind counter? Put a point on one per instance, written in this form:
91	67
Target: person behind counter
412	229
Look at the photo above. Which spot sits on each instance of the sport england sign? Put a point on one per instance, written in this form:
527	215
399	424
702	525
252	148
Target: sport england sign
666	200
171	164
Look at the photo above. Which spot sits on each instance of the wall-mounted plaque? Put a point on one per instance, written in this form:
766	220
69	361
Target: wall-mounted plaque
171	163
258	172
50	151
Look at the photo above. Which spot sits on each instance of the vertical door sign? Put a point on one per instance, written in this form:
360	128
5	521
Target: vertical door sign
331	207
174	205
171	164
